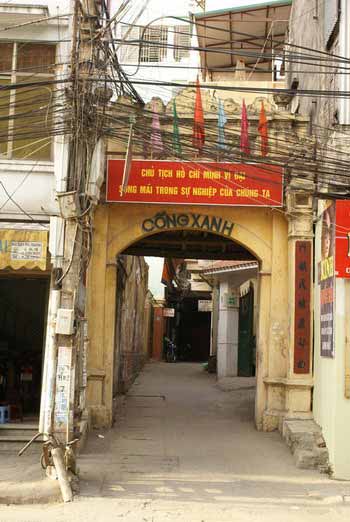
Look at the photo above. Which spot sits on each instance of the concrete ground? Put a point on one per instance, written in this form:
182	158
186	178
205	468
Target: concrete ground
186	449
22	480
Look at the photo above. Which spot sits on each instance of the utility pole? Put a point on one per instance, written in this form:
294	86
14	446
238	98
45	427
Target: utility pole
64	379
77	210
87	95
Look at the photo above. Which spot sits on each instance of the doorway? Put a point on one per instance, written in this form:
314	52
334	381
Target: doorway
23	307
246	338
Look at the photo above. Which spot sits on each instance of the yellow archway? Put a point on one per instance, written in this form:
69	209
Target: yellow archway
261	231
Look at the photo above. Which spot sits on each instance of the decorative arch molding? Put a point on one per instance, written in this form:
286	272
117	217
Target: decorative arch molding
150	223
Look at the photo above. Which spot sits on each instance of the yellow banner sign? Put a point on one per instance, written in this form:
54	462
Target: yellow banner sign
23	249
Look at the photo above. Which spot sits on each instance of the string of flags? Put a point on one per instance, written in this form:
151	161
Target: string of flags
198	133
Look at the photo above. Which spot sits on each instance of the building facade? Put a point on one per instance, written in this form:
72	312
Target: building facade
30	170
324	26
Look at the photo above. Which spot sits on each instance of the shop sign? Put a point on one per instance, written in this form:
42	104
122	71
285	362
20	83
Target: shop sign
165	221
326	279
188	183
23	249
342	239
204	305
302	315
168	312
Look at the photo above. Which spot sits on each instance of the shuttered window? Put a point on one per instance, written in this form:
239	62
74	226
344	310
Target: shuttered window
26	115
182	42
154	46
331	21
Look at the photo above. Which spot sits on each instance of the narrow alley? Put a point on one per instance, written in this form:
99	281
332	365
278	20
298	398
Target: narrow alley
185	449
182	437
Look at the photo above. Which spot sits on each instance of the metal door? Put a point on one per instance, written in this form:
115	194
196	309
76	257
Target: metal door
246	341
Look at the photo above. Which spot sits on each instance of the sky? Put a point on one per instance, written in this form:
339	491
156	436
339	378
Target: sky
155	274
214	5
182	7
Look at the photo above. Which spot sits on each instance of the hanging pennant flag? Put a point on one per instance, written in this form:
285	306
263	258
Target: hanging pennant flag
198	127
222	120
263	131
244	145
176	135
156	137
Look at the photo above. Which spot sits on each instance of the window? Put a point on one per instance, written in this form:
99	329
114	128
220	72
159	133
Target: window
154	46
182	42
155	40
25	116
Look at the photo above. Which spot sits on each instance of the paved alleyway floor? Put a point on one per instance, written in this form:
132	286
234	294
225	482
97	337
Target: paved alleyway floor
186	449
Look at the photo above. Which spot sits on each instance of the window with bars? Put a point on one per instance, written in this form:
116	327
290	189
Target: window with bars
154	43
182	42
26	112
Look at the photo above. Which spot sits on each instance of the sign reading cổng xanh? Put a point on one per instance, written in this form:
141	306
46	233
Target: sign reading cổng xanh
178	182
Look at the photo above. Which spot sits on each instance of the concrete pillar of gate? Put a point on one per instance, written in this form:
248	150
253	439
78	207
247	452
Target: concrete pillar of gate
299	380
227	345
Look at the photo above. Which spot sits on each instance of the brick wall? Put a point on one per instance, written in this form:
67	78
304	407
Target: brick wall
133	321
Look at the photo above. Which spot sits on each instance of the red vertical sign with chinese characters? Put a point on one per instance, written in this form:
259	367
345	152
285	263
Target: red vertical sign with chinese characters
302	321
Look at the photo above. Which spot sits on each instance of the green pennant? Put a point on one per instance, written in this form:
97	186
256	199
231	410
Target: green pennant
176	133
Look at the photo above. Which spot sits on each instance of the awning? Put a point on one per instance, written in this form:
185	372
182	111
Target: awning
249	33
23	245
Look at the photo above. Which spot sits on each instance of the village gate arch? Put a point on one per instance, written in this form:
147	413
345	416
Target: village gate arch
261	231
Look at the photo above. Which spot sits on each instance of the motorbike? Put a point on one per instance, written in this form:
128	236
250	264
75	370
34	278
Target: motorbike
171	355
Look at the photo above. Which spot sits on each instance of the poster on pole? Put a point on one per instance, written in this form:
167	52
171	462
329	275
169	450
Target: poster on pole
326	274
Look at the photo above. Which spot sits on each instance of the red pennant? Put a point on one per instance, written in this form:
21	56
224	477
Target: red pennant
263	131
198	127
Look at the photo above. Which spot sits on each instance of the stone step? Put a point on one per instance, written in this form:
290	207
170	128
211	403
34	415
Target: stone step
301	434
18	430
19	426
311	459
16	442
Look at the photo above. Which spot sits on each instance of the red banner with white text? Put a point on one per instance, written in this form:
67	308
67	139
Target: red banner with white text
187	183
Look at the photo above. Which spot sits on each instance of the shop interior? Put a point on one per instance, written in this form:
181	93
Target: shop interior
23	311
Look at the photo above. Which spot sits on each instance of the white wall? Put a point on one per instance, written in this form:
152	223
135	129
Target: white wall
154	71
155	275
32	183
331	408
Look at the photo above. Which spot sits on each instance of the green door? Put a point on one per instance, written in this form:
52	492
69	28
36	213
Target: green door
246	341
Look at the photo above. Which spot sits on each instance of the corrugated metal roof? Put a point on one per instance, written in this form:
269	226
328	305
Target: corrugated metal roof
251	34
229	266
